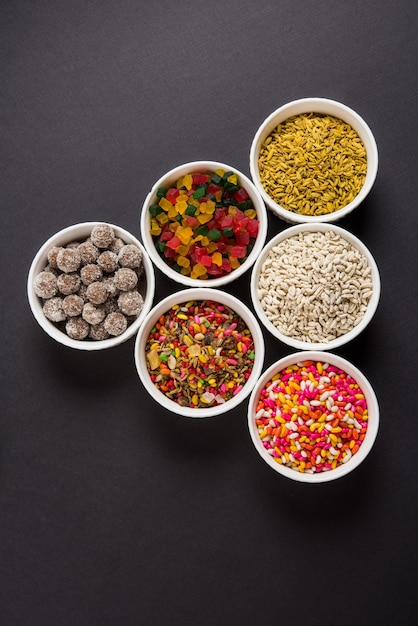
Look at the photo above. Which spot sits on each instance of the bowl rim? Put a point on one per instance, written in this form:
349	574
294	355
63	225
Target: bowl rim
372	403
185	295
371	307
73	233
172	176
315	105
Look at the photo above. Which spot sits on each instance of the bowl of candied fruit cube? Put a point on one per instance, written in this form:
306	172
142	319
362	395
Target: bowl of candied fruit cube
203	224
91	285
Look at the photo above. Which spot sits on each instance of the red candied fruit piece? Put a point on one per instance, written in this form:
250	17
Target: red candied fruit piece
238	252
190	220
172	194
214	270
227	221
212	189
166	235
252	227
199	179
200	252
169	253
220	213
174	242
243	238
222	245
241	195
226	265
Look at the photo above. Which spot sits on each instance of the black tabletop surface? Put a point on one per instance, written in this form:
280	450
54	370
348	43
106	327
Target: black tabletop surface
113	511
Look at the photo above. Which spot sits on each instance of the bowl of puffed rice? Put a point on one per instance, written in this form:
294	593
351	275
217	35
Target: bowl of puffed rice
313	160
91	285
315	286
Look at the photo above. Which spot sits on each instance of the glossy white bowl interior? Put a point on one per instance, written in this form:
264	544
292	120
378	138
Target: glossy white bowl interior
373	419
168	180
80	232
317	227
326	107
198	293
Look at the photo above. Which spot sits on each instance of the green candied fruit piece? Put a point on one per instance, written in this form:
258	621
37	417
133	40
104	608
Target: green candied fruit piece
155	209
202	230
214	234
161	191
200	192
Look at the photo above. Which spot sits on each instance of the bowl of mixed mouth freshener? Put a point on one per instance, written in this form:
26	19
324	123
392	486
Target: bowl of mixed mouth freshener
91	285
315	286
203	224
313	159
313	417
199	352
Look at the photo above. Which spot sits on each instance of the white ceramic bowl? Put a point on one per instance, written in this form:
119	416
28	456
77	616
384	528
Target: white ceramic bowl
321	228
184	296
321	106
80	232
169	179
371	431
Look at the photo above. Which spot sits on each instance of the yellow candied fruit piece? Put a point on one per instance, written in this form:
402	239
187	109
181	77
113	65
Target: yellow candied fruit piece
185	271
171	213
184	234
205	241
197	238
216	258
188	181
251	213
183	261
165	204
234	263
233	179
218	195
183	250
232	210
204	218
199	270
155	228
181	206
173	226
162	218
220	172
212	247
210	206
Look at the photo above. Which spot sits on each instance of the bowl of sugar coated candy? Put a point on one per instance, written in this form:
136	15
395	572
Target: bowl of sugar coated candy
91	285
313	159
315	286
313	417
203	224
199	352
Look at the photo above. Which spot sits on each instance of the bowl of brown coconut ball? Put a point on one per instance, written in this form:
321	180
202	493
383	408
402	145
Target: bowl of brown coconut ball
91	285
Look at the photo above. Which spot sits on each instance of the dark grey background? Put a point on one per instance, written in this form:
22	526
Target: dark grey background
112	510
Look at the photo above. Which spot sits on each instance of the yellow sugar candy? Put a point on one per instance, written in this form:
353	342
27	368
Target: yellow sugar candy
155	228
183	250
183	261
184	234
181	206
162	218
217	258
188	181
165	204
